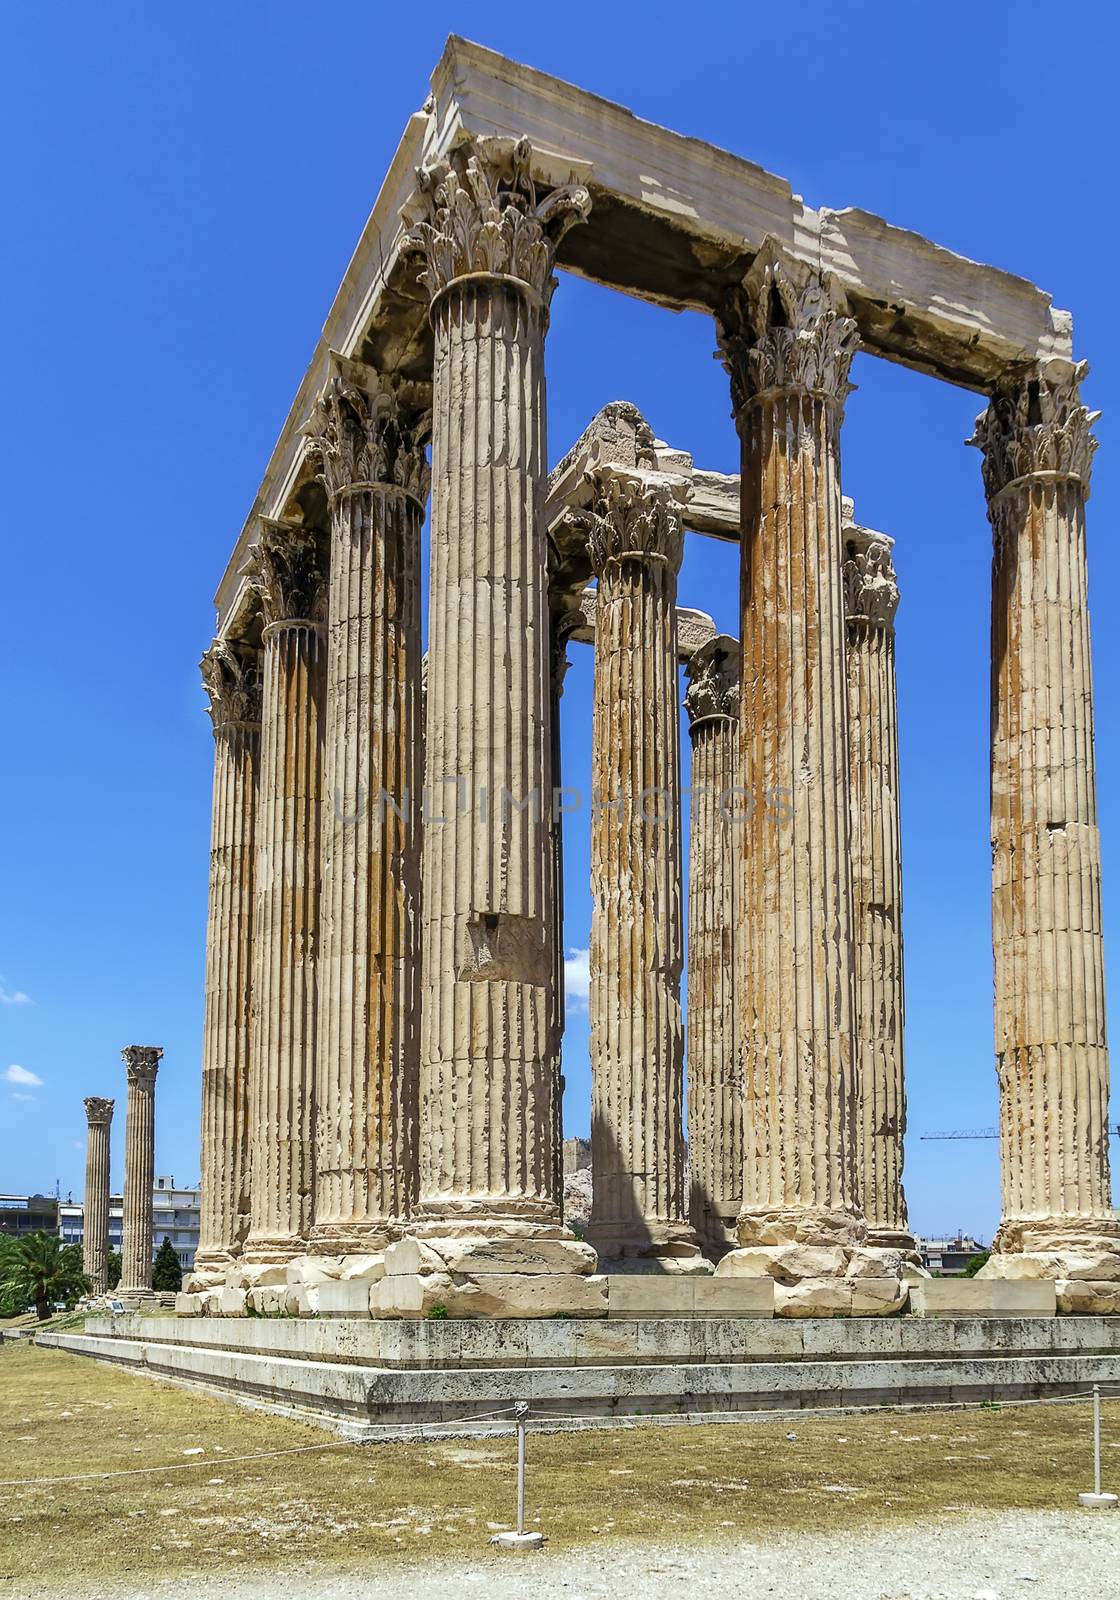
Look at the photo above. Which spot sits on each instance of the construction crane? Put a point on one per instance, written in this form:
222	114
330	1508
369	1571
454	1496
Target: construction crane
993	1133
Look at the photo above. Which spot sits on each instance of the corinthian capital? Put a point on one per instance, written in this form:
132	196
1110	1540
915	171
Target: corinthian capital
1035	425
369	429
870	584
288	573
142	1062
636	515
785	328
485	214
231	678
713	680
99	1112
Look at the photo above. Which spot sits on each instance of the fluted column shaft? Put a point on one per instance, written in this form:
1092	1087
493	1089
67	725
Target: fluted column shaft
789	347
141	1064
637	1046
871	599
286	570
95	1203
1051	1047
488	1079
232	680
374	470
715	1085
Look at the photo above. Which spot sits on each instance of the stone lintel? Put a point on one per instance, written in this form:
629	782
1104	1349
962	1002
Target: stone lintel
674	220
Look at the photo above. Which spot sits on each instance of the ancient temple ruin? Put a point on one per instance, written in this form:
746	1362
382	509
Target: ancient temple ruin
384	1006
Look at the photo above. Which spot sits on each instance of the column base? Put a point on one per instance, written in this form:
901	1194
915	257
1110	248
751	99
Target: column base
210	1271
894	1239
841	1226
647	1245
1080	1255
821	1261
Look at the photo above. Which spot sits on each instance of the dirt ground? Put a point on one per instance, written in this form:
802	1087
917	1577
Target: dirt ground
202	1486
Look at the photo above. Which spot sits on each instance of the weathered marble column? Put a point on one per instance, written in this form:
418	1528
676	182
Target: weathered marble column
488	1080
231	677
141	1065
95	1203
1051	1049
871	600
715	1078
638	1205
286	567
788	346
367	438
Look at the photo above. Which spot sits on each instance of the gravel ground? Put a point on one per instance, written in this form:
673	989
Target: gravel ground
1053	1555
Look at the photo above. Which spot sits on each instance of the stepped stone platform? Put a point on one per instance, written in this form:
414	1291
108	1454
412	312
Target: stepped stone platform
375	1379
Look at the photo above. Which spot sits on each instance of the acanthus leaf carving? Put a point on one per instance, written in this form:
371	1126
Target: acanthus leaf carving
368	428
487	215
287	570
713	680
99	1111
871	592
786	329
637	515
142	1062
232	680
1035	423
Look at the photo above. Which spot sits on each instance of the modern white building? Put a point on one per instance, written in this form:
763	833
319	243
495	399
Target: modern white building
176	1212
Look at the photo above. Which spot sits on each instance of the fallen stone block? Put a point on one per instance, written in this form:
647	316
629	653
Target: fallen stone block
983	1297
1082	1297
345	1297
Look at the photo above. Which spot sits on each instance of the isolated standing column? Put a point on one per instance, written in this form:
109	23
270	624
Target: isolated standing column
141	1064
488	1079
638	1205
788	346
715	1077
871	600
95	1203
1051	1046
231	677
287	568
367	439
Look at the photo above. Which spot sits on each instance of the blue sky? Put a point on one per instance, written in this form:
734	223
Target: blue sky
184	187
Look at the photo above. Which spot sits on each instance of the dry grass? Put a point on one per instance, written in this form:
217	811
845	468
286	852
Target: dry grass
62	1414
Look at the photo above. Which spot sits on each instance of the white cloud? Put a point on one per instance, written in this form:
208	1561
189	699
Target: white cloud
17	1074
17	1096
13	997
577	979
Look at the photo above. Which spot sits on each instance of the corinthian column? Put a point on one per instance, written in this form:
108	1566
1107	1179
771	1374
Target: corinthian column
95	1205
488	1080
715	1081
871	600
367	438
1051	1050
286	569
638	1205
141	1064
788	346
231	677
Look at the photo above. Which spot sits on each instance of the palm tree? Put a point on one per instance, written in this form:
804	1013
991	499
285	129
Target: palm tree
41	1269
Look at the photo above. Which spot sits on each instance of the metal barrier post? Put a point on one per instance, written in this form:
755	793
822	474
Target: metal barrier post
520	1540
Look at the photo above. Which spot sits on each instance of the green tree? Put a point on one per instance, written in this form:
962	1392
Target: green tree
39	1269
167	1274
112	1269
974	1263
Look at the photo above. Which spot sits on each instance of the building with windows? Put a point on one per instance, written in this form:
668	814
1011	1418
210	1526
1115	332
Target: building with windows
176	1213
947	1258
28	1213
